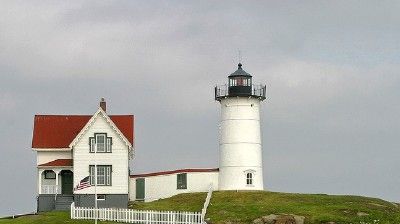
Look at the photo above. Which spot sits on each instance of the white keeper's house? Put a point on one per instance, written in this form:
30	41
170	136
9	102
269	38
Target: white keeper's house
69	147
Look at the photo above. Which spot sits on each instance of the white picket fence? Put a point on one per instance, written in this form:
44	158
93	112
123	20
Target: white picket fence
141	216
136	216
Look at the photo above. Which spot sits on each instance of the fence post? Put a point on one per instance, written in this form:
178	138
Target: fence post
208	198
72	210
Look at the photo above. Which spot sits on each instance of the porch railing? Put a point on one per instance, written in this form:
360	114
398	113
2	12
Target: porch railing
50	189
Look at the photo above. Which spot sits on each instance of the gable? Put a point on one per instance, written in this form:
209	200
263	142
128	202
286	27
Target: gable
108	124
58	131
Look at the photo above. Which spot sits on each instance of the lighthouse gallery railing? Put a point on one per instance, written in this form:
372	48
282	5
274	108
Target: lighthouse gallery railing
259	91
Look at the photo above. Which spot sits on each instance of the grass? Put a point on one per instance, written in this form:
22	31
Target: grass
48	218
244	207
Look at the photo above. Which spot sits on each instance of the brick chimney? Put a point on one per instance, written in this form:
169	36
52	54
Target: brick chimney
103	104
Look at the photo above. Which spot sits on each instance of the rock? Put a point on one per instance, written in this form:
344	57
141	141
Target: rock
285	219
299	219
362	214
258	221
269	219
280	219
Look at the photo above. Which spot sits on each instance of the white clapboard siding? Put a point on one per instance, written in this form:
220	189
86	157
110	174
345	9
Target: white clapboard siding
196	182
51	155
118	159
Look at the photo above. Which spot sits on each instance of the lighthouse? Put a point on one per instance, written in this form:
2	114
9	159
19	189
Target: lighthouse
240	145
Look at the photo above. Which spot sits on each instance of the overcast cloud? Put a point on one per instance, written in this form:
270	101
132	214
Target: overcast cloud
330	124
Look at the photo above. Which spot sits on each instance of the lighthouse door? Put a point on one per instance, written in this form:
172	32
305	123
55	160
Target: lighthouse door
140	189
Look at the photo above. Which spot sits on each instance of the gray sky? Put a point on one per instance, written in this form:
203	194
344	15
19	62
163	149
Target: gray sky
330	124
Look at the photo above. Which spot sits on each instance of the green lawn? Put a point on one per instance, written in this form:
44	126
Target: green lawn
243	207
47	218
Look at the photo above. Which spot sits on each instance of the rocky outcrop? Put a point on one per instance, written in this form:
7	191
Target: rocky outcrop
280	219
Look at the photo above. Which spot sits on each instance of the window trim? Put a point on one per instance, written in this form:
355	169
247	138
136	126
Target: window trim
179	185
107	143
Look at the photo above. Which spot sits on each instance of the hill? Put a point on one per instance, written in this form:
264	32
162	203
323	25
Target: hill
244	207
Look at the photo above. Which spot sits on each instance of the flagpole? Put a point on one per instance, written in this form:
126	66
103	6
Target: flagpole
95	183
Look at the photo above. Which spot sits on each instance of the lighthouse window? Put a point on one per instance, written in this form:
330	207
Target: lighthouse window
239	81
249	178
232	82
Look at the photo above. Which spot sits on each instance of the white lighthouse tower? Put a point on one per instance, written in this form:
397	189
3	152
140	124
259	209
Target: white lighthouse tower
240	147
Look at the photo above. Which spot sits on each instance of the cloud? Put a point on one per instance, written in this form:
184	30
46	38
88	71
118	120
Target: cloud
7	102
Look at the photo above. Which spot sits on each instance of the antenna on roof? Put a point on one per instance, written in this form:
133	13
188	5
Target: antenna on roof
240	56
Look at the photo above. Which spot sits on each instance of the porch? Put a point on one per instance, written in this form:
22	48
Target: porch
55	181
55	178
55	188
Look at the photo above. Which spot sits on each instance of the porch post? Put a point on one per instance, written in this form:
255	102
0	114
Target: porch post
40	181
57	172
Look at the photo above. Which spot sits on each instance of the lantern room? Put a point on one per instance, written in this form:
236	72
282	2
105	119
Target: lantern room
239	83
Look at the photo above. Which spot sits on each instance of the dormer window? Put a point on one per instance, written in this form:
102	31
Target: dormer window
101	141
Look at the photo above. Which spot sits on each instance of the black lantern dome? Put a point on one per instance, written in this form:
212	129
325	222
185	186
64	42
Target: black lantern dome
240	85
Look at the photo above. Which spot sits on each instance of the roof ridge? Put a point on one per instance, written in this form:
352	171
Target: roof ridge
168	172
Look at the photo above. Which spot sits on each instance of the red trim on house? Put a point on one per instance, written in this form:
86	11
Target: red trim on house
173	172
58	162
58	131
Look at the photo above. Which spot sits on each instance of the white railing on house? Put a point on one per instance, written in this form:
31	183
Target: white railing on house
136	216
50	189
142	216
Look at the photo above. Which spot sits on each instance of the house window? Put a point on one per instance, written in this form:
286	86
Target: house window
181	181
49	174
103	175
102	142
101	197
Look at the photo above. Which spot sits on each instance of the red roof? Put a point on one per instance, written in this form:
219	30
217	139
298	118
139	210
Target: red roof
58	131
175	171
58	162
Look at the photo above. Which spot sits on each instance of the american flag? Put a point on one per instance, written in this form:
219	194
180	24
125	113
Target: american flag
84	183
